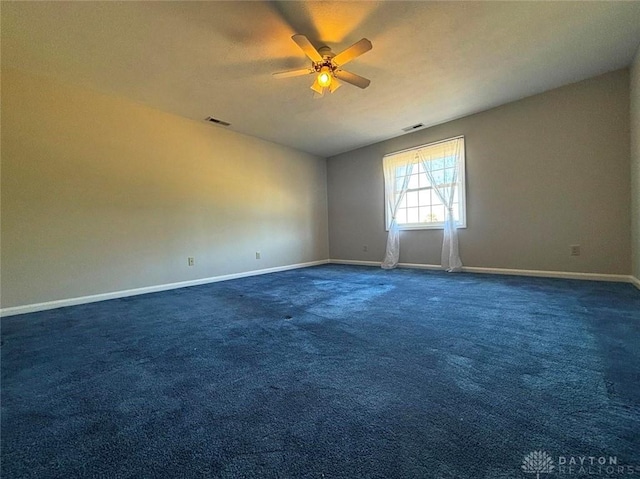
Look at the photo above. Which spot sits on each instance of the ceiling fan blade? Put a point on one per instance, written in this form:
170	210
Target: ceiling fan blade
352	52
308	49
317	87
357	80
334	85
294	73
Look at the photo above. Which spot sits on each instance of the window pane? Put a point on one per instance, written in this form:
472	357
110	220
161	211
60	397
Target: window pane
437	164
417	168
412	198
445	191
450	161
401	216
435	200
425	214
399	182
414	182
424	197
438	213
438	177
412	215
401	170
448	175
403	202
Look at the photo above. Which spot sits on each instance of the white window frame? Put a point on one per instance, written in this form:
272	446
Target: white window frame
462	200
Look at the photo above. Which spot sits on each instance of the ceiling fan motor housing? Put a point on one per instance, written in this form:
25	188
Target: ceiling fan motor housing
327	55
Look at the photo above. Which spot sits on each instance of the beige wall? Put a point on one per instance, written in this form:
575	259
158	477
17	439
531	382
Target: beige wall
635	163
542	173
100	194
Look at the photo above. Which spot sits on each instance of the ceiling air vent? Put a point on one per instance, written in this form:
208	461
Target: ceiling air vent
414	127
215	120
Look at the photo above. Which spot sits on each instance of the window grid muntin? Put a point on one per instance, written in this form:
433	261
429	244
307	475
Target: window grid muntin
415	205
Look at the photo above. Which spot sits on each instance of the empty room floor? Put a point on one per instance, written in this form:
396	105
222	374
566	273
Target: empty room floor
327	372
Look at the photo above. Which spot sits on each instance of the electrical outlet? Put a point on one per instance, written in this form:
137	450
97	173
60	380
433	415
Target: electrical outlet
257	254
575	250
365	248
191	261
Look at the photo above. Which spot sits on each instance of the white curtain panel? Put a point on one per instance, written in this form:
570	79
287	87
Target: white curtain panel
446	191
395	193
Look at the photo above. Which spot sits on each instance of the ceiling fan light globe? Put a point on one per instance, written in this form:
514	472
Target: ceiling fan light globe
324	78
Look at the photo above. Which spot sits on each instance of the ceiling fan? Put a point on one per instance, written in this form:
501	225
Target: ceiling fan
328	66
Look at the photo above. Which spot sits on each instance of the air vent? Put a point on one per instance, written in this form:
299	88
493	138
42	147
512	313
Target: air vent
215	120
414	127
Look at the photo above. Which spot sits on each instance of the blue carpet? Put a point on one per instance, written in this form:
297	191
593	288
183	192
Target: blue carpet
326	372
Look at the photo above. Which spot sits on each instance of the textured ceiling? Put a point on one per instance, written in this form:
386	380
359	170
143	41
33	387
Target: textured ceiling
431	61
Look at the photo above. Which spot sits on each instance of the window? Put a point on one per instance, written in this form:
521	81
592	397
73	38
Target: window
420	180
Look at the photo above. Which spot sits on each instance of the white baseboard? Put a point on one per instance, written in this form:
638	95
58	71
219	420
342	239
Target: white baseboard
31	308
618	278
355	262
433	267
378	263
61	303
